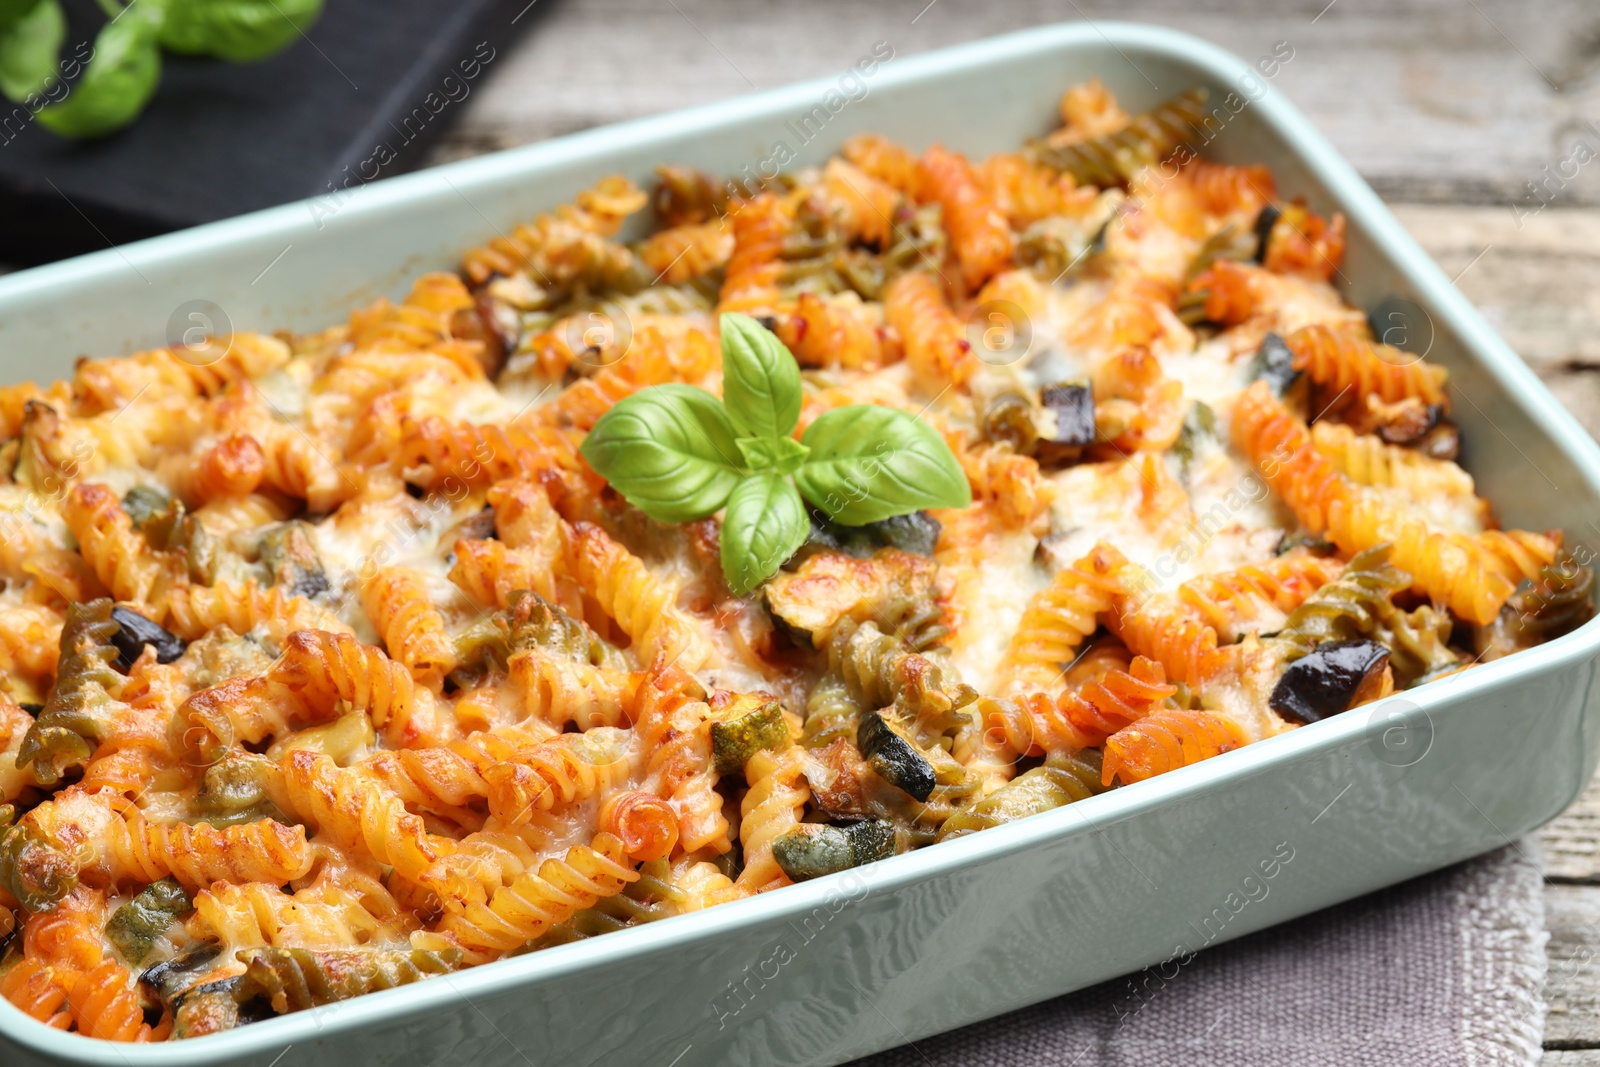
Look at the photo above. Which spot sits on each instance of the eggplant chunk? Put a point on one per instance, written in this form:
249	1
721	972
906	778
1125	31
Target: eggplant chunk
733	742
1265	221
134	631
894	758
1072	403
1335	676
1274	364
812	850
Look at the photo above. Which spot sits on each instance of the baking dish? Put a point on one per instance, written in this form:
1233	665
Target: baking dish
841	966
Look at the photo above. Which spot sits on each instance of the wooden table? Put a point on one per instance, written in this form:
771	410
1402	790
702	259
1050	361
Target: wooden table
1448	107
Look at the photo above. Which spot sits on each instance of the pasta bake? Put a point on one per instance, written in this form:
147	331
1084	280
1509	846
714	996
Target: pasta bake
694	540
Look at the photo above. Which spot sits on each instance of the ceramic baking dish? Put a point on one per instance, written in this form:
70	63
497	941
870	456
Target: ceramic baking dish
838	967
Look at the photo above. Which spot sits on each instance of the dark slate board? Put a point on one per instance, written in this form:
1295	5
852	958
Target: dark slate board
219	139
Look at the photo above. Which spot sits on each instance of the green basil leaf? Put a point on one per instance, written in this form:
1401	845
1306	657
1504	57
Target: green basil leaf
240	31
784	455
760	379
13	11
120	78
870	463
28	49
765	524
669	450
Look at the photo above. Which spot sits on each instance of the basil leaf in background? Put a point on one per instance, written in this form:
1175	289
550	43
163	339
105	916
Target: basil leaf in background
870	463
760	379
29	48
12	12
764	525
119	81
669	450
241	31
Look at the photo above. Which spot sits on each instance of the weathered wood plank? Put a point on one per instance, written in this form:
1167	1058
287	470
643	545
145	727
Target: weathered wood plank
1578	1058
1536	278
1571	841
1432	101
1572	985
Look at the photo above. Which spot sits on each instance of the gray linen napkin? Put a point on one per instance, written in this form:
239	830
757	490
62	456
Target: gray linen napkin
1443	971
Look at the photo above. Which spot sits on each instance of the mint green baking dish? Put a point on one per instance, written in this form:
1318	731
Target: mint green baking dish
828	970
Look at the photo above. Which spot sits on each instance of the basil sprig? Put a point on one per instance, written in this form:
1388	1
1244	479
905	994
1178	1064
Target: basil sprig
679	454
125	69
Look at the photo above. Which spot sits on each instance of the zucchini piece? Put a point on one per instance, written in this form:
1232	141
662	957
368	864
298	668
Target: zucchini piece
1199	426
481	648
142	502
287	552
135	927
1334	676
733	742
234	789
811	850
32	870
210	1008
894	758
830	589
343	740
916	532
537	623
1008	419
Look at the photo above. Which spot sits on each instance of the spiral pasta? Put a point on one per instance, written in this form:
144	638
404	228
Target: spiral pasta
978	231
754	267
256	914
122	561
672	722
565	246
526	908
321	668
1057	621
1165	741
1114	156
934	337
398	602
640	603
1034	723
775	802
82	707
883	160
1456	571
196	610
1340	359
1257	596
356	811
1059	782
